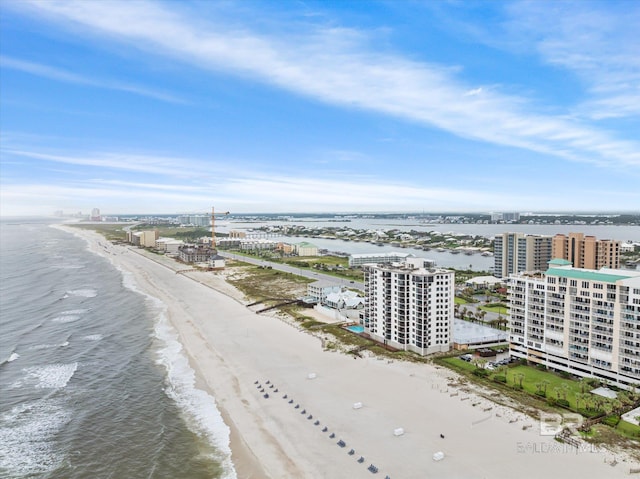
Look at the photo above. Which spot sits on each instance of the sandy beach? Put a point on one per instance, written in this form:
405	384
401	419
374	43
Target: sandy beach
237	354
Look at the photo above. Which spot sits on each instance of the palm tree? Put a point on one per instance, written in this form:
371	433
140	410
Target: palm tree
545	383
565	389
583	382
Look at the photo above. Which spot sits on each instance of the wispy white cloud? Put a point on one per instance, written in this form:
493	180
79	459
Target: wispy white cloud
63	75
596	41
337	66
148	164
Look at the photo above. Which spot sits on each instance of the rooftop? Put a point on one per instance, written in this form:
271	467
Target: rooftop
603	275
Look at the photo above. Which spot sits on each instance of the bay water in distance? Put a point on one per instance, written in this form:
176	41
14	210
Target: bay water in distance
93	382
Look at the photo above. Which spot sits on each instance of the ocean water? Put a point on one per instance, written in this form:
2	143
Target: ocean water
93	382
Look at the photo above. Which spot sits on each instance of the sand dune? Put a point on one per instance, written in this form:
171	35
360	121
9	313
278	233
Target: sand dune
231	348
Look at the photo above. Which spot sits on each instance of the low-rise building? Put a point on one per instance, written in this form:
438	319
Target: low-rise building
168	245
190	253
360	259
305	249
319	290
344	300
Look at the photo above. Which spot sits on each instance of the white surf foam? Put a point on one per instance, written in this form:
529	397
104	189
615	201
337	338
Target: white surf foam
74	311
13	357
67	318
49	346
93	337
69	266
27	434
51	376
200	406
85	293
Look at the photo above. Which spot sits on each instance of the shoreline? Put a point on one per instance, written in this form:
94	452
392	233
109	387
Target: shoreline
230	347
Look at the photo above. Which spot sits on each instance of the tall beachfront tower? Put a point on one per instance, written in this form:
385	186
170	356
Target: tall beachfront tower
582	321
408	306
517	252
586	251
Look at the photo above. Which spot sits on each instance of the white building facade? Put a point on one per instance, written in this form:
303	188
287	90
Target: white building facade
585	322
409	307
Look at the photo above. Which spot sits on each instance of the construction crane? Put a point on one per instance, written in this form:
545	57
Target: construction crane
213	228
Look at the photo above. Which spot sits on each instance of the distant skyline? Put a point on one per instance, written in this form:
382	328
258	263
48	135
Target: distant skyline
319	106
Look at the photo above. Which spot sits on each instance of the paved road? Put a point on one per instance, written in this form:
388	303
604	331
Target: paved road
294	270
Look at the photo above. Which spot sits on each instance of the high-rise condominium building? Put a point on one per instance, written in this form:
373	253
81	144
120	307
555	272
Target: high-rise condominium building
586	251
408	306
517	252
582	321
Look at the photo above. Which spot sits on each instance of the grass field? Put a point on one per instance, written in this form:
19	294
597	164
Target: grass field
111	232
495	309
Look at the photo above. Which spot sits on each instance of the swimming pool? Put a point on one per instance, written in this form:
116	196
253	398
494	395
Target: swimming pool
356	329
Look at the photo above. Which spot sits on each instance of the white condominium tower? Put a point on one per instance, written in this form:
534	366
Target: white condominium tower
409	307
518	252
582	321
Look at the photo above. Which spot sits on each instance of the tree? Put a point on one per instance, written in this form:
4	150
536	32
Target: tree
564	389
520	379
545	383
584	382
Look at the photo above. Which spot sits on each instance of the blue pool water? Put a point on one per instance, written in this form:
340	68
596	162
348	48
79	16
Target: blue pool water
356	329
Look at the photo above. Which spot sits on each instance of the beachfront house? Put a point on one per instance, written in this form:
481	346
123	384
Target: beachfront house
319	290
344	300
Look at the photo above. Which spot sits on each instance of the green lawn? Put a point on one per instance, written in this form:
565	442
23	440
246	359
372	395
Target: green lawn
629	430
532	376
457	363
495	309
459	300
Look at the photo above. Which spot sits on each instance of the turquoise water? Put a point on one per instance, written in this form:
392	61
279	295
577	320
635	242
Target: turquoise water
356	329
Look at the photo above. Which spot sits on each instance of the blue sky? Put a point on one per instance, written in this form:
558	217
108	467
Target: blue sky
319	106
